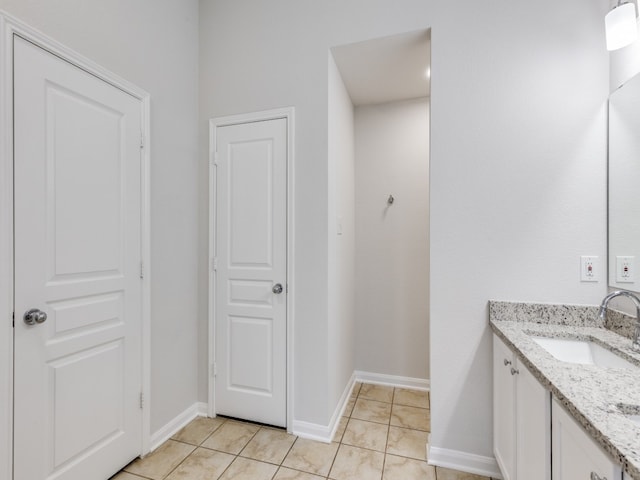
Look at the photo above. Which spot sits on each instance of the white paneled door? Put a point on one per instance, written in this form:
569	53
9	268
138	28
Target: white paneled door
77	411
250	277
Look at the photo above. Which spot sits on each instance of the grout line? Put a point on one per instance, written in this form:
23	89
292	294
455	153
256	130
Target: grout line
182	461
288	451
246	444
225	470
134	474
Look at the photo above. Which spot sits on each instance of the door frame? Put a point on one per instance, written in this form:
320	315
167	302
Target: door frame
287	113
10	27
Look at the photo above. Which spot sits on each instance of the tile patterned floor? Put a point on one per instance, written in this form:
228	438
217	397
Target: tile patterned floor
382	436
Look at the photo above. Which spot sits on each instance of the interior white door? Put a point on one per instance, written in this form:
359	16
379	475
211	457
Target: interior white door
77	259
250	278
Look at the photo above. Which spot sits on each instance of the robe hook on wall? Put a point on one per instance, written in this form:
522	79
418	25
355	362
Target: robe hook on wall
390	200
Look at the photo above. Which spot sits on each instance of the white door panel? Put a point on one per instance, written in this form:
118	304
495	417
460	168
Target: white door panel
77	257
251	259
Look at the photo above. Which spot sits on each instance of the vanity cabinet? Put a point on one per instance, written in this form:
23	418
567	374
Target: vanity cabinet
521	419
575	455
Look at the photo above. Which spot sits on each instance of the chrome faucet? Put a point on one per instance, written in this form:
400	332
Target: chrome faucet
635	342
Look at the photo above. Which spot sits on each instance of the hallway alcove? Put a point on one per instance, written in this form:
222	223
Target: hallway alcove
379	165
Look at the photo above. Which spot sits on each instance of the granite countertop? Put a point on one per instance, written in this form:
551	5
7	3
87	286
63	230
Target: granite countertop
591	394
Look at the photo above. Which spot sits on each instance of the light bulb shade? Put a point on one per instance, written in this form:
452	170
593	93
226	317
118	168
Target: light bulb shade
621	26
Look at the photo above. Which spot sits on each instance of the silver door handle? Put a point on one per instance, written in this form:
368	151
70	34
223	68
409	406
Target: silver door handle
33	316
514	371
595	476
277	288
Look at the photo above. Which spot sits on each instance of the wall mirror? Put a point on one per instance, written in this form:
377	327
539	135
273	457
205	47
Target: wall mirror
624	186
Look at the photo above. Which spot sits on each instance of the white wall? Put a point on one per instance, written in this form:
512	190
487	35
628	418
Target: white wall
341	158
392	241
518	165
518	184
153	44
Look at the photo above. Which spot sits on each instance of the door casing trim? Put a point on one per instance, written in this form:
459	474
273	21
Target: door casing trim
10	27
287	113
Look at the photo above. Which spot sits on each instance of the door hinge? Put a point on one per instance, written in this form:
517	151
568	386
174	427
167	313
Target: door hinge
214	369
141	269
214	160
141	142
214	264
141	400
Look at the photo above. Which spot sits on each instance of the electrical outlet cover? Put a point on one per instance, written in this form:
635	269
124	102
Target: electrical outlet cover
625	271
589	268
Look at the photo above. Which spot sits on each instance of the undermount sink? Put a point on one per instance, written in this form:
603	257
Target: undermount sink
583	352
634	418
632	412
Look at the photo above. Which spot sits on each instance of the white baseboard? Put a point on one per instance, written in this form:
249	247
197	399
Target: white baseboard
312	431
465	462
325	433
342	405
198	409
392	380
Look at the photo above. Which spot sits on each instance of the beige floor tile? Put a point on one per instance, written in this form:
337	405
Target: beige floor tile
372	411
407	443
126	476
400	468
231	437
411	417
381	393
288	474
348	409
360	433
159	464
446	474
411	398
312	457
337	437
203	464
353	463
198	430
269	445
247	469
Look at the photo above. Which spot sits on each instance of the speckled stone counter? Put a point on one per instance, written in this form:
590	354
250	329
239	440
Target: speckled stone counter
591	394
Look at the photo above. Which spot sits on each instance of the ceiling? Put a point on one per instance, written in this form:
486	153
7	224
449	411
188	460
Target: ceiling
386	69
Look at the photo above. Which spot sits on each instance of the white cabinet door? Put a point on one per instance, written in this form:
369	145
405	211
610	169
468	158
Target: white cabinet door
575	454
521	419
504	425
533	439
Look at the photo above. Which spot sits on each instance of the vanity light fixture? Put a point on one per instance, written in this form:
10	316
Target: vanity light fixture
621	26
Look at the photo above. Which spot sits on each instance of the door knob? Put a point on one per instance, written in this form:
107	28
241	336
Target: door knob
33	316
277	288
